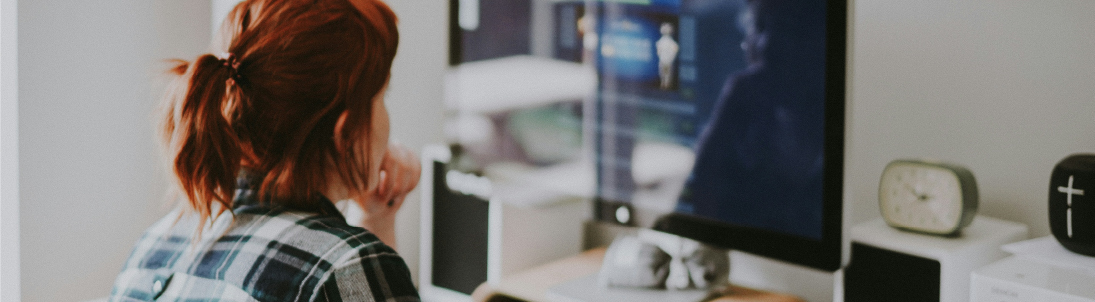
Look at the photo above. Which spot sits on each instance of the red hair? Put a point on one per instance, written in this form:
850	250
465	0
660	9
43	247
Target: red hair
296	68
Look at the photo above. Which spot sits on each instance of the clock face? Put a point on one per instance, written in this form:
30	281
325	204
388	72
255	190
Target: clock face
921	197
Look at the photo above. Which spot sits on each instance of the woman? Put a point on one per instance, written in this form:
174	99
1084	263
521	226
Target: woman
261	140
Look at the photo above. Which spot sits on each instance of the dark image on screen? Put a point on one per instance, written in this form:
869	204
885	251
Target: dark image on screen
744	92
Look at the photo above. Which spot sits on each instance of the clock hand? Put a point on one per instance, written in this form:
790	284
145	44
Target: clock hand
919	196
912	190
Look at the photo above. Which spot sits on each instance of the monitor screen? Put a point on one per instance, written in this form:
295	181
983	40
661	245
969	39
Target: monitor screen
717	120
723	121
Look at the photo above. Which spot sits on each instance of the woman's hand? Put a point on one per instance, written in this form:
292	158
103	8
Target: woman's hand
399	173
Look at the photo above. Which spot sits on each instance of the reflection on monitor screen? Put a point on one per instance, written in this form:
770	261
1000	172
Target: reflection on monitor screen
727	115
739	83
718	120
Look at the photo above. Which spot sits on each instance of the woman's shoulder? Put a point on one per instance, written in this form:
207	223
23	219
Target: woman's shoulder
270	255
358	261
327	236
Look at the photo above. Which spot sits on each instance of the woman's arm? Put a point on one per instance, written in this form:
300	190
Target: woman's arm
399	173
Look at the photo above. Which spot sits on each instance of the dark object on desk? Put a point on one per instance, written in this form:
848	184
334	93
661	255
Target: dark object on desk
1072	203
630	262
707	267
503	298
877	274
659	260
459	240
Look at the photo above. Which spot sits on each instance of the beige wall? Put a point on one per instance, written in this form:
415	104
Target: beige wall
1006	88
89	179
414	98
9	153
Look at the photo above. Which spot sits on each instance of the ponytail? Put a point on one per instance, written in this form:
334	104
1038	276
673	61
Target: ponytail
204	148
308	64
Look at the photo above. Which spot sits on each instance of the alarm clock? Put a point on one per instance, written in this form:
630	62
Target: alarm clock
1071	208
927	196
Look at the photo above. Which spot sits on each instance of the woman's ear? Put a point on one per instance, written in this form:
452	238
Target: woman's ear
336	190
338	130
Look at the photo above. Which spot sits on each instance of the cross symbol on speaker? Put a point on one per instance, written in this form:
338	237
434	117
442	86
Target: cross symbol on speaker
1069	191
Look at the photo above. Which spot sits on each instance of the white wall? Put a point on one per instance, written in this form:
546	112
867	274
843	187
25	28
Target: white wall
9	153
414	98
1005	87
219	9
89	175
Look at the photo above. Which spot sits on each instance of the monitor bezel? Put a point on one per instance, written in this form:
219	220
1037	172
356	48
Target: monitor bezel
826	253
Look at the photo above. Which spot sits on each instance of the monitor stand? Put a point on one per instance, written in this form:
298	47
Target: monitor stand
574	278
585	286
587	289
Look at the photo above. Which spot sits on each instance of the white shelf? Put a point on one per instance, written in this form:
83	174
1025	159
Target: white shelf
515	82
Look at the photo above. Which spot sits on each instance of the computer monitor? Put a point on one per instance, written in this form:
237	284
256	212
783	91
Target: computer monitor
717	120
723	121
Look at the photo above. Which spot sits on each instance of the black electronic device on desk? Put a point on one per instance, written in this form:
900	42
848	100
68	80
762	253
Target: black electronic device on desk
757	105
891	264
455	220
720	121
1072	203
473	233
744	147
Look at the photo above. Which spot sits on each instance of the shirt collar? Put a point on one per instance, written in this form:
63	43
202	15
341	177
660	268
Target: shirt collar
247	198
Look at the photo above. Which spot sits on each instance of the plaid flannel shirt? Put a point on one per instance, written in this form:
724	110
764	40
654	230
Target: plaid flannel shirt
267	253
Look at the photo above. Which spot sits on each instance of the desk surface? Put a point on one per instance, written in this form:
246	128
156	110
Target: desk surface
533	284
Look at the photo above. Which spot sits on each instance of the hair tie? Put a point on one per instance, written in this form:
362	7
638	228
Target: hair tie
231	62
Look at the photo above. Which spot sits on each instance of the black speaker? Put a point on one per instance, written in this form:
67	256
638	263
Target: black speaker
878	274
1072	203
459	236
